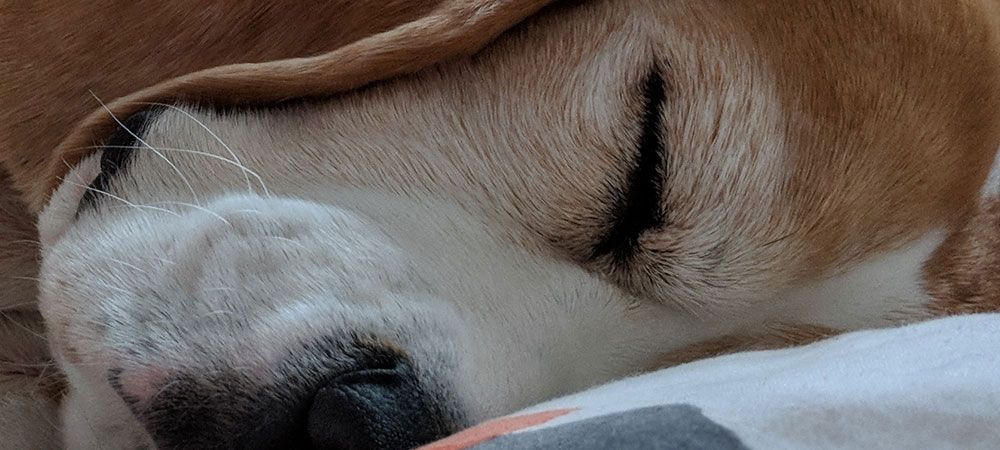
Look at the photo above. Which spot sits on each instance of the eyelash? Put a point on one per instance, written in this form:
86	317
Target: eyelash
638	207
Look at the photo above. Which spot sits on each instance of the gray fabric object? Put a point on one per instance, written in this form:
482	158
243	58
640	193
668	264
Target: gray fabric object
672	427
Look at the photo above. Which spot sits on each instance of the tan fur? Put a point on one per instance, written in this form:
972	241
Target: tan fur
964	275
29	381
875	169
887	138
52	53
884	173
115	51
19	251
876	180
857	150
56	56
779	336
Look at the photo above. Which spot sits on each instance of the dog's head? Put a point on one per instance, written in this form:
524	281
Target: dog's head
605	183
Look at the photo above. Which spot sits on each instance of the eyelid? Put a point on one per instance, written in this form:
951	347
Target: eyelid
638	207
118	151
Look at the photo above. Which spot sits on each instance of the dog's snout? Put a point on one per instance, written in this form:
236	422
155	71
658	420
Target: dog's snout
382	408
375	404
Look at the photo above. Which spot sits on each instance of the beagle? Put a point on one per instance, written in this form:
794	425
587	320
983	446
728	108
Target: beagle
372	223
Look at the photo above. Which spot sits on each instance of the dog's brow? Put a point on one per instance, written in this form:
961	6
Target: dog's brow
637	208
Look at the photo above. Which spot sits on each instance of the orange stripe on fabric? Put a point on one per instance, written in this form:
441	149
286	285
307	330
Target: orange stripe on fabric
493	429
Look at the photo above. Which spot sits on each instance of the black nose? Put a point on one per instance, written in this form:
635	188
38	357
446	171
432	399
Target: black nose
375	409
383	407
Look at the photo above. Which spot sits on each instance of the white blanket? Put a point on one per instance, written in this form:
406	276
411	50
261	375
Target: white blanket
925	386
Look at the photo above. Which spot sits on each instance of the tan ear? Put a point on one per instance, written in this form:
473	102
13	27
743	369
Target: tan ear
452	28
56	56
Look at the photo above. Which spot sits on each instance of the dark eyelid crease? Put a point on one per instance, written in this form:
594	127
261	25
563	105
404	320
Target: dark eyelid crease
117	153
637	207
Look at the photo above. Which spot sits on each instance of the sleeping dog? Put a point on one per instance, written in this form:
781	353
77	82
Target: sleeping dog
371	225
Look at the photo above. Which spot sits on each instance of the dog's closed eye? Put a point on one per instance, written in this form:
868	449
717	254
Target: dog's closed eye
118	151
637	206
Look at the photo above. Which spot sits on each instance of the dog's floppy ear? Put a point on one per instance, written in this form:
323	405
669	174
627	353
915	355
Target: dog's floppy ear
453	28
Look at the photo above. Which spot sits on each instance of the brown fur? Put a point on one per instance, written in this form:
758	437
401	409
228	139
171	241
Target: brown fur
843	205
29	380
54	54
883	171
18	251
117	50
964	275
779	336
888	139
872	161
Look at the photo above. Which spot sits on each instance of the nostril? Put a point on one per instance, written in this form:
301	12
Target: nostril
382	408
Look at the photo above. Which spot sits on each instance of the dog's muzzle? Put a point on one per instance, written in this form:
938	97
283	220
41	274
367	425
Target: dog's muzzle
378	405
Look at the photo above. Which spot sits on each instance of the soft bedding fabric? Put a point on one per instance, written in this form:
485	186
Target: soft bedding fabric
931	385
673	427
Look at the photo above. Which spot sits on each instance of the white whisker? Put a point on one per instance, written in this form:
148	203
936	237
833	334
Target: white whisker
126	202
26	242
16	306
127	264
167	385
157	152
164	260
22	326
196	152
199	208
37	280
112	287
284	239
25	365
246	171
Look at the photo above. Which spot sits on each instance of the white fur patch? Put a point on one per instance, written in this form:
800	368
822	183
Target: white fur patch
423	211
992	186
880	292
